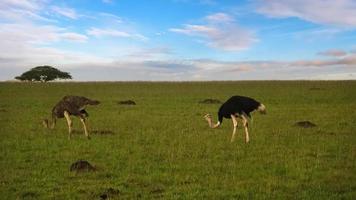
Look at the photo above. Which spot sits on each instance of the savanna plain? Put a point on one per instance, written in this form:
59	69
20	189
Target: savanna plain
163	148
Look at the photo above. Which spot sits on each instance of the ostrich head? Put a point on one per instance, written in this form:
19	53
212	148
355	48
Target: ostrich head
209	119
48	123
207	116
262	109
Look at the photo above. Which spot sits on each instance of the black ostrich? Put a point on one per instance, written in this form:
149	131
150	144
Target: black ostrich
237	107
71	105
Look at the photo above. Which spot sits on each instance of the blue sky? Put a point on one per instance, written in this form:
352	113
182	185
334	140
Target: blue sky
178	40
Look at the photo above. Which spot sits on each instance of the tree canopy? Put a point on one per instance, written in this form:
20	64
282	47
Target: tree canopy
43	74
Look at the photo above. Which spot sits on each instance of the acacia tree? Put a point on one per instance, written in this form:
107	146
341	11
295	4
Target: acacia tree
43	74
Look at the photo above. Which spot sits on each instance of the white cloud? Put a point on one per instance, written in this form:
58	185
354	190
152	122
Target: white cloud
333	53
26	10
25	45
328	12
195	30
23	4
348	61
220	32
107	32
65	11
112	17
219	17
156	53
74	37
114	33
28	33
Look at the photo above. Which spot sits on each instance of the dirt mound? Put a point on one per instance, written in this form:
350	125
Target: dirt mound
109	193
157	191
126	102
210	101
81	166
29	195
305	124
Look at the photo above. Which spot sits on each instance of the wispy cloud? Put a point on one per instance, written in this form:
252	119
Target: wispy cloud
97	32
74	37
333	53
219	18
348	61
112	17
27	45
24	4
221	32
65	11
155	53
328	12
107	32
25	10
28	34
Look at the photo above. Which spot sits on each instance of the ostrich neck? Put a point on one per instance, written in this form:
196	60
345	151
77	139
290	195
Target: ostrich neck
212	125
210	122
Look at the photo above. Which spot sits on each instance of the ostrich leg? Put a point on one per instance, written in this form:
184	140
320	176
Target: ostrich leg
54	121
82	119
234	122
245	123
69	122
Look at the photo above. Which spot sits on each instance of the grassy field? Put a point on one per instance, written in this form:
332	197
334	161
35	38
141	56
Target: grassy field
163	148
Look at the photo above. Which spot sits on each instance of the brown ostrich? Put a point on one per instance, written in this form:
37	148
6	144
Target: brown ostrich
71	105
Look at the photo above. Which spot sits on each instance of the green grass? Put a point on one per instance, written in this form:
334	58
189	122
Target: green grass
163	148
